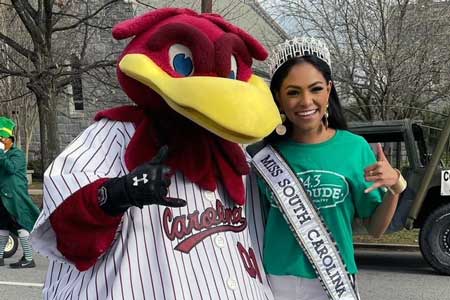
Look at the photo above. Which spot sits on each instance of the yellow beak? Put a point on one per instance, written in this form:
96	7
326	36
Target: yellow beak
242	112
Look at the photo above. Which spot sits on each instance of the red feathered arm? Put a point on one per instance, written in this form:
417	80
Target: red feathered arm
83	230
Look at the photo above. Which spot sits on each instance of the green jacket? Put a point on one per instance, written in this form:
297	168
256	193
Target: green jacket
14	188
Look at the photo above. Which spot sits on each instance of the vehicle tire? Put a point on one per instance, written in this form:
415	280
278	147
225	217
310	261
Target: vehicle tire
11	246
434	239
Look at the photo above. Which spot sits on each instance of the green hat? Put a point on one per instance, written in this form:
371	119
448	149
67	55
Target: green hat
6	127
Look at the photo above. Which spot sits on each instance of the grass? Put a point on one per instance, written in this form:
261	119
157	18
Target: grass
404	237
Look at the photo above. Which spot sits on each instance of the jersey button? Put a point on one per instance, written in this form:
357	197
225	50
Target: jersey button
232	283
219	241
210	196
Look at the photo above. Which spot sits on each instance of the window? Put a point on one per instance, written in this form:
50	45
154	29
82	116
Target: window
77	85
74	90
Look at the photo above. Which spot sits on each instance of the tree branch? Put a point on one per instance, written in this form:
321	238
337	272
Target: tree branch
17	47
86	18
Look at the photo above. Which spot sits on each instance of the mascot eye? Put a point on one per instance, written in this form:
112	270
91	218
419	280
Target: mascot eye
234	70
181	59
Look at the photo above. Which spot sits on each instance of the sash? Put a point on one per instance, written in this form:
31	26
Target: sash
306	223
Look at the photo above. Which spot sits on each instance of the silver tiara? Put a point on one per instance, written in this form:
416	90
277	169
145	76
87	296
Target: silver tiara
297	47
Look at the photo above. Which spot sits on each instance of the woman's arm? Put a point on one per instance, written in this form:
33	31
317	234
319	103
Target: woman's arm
383	175
378	223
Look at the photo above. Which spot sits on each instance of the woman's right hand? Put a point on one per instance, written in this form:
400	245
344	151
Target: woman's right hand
381	173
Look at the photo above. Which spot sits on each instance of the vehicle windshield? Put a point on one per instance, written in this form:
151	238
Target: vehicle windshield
432	135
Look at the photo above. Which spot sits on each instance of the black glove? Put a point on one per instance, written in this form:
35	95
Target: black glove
147	184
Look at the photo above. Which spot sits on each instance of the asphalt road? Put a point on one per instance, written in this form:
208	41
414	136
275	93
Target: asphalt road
22	284
399	275
384	275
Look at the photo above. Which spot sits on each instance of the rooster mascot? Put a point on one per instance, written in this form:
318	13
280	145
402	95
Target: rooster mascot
151	201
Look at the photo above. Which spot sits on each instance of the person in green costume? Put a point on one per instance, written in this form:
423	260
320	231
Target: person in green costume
17	211
339	170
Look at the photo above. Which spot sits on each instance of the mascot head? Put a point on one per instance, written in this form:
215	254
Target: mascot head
198	65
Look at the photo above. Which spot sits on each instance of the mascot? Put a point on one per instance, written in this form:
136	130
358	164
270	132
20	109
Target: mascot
151	201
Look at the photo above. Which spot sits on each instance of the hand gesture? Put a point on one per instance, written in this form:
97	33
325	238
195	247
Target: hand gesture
149	183
145	185
381	173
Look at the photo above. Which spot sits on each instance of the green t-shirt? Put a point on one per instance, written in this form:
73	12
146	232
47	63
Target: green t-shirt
333	175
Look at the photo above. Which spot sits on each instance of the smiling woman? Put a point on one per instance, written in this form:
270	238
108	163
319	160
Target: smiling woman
303	97
338	172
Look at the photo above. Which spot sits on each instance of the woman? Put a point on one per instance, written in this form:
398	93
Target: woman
338	169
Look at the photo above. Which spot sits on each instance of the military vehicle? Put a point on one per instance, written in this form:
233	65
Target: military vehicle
422	205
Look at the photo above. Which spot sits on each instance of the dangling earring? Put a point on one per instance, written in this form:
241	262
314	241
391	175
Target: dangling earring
325	120
281	129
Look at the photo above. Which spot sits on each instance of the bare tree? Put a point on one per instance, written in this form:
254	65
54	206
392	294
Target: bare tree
16	101
65	42
59	46
390	57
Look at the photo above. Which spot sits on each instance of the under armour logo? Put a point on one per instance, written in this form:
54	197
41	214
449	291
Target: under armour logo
137	180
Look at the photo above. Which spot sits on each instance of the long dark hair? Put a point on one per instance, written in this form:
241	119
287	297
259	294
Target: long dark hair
336	118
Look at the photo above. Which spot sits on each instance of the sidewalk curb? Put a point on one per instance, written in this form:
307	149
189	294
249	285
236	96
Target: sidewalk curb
35	192
399	247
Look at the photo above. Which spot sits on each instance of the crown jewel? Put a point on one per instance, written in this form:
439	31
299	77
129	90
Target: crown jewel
297	47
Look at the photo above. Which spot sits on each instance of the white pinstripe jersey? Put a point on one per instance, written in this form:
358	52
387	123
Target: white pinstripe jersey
209	249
